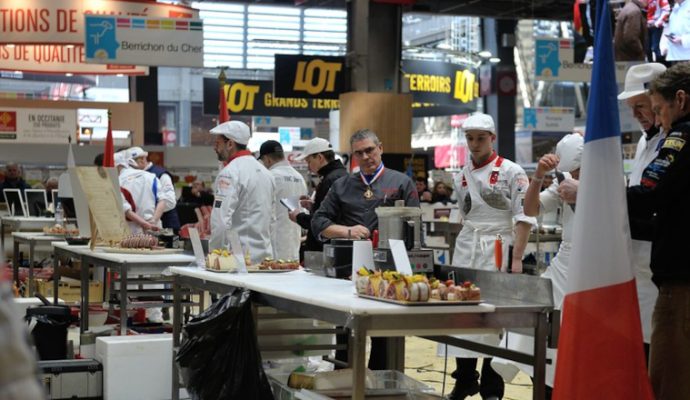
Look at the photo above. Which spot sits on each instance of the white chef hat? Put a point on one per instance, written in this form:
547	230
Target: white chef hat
121	158
235	130
480	122
569	152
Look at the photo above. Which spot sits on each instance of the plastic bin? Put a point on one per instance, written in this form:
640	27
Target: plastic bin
48	325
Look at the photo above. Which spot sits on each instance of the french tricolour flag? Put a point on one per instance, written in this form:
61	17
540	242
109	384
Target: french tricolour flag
600	351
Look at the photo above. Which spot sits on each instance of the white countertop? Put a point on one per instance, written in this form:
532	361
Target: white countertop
335	294
99	253
28	219
37	236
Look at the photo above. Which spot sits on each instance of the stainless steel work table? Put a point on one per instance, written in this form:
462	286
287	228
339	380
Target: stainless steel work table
123	263
18	224
334	301
32	239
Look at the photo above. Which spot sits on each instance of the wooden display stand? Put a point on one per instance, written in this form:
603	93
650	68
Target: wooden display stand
387	114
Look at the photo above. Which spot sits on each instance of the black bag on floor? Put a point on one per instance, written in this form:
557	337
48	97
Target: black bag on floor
219	355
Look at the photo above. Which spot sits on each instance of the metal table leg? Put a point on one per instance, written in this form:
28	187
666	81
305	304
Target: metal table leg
15	260
123	300
539	389
358	341
84	305
177	328
32	244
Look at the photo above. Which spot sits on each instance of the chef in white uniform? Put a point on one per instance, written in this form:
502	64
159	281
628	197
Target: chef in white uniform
567	160
145	200
636	97
490	192
289	183
243	194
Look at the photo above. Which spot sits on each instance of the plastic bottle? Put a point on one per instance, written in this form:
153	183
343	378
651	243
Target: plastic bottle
59	214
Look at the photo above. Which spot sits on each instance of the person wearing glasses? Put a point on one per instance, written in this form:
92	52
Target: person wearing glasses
348	209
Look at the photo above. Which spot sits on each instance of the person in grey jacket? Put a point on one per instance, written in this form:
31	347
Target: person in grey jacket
348	209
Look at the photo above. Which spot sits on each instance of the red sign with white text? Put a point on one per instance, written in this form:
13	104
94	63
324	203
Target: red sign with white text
52	21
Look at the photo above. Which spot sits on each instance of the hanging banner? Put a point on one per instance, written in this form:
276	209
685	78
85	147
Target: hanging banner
36	125
51	21
311	77
445	84
58	59
144	41
552	119
554	62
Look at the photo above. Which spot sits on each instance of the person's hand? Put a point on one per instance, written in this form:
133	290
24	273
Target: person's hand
147	226
516	266
677	40
306	202
293	215
567	190
358	232
547	163
426	196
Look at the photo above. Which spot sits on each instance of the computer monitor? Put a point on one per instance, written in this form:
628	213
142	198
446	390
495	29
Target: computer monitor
36	202
53	197
15	202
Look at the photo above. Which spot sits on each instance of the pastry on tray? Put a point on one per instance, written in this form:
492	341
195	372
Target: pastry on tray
221	260
448	290
271	264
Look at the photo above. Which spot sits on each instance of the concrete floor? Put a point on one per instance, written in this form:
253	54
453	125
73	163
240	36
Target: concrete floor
422	364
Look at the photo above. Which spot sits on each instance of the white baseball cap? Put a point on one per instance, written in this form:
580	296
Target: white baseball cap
136	152
638	77
235	130
314	146
122	158
480	122
569	152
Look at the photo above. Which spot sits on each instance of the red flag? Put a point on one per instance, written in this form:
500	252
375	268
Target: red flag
223	115
600	350
109	151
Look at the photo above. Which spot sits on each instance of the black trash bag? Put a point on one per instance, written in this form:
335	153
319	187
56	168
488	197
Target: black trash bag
49	325
219	355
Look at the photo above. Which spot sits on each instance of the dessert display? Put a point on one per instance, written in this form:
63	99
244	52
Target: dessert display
221	260
448	290
271	264
58	229
391	285
140	241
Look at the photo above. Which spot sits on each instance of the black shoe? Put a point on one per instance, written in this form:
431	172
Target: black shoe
464	389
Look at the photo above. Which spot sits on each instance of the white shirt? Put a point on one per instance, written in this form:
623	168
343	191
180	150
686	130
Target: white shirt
243	203
287	235
679	25
146	193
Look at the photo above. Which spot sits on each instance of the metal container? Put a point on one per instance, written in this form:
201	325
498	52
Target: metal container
402	223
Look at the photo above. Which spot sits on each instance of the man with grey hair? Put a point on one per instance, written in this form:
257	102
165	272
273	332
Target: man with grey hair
13	178
348	209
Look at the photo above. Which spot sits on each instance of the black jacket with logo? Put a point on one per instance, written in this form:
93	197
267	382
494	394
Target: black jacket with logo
665	203
329	173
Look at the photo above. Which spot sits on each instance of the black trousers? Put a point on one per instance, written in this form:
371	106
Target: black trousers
490	382
377	357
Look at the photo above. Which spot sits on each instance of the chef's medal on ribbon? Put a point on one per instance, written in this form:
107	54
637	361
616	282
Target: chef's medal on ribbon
369	194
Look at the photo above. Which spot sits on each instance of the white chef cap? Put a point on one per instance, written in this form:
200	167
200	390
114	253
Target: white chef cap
569	152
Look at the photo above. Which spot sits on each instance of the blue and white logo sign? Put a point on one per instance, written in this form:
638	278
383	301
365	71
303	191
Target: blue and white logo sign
555	62
548	61
144	41
549	119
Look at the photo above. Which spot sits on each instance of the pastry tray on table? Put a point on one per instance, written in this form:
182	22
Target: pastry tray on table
431	302
251	270
141	251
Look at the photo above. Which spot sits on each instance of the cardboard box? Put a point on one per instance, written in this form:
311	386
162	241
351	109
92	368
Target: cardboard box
70	292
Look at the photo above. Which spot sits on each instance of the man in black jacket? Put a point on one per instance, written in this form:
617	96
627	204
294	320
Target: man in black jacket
662	197
320	158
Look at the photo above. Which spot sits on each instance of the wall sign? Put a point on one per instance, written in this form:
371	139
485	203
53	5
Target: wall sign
145	41
50	21
36	125
309	76
554	62
552	119
58	59
442	83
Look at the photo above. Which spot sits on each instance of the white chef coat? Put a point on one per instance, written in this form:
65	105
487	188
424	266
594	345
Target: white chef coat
287	235
146	192
678	24
496	192
647	292
243	203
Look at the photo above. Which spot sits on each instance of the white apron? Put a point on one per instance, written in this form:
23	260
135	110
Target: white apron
474	248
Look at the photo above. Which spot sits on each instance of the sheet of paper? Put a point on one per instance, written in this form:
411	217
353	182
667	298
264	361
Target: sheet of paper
198	249
81	206
402	262
237	250
362	256
291	202
103	195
